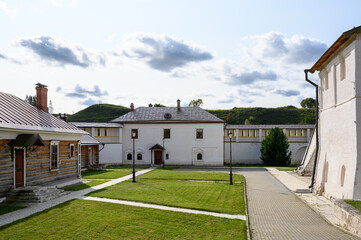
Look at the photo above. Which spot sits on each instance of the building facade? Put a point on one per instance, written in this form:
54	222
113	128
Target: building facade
247	139
35	147
338	172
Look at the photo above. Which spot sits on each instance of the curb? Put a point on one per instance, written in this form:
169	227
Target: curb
249	233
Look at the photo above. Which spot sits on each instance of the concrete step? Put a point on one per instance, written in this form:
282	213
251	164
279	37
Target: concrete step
35	194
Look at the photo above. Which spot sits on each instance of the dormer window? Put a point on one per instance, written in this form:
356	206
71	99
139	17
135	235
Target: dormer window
167	116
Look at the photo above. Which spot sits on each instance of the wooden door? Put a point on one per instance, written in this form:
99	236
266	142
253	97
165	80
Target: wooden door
19	167
158	157
90	154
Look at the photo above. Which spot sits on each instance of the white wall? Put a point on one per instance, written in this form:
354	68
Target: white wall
111	154
338	135
182	147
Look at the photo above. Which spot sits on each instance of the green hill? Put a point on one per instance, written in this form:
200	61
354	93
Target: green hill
257	115
98	113
281	115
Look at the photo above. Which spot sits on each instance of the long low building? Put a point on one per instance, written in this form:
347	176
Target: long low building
247	139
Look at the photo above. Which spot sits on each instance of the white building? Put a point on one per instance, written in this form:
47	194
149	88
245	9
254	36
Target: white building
110	136
177	135
338	173
247	139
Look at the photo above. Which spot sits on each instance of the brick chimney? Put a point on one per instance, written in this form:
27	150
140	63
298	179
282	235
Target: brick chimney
178	104
132	107
42	97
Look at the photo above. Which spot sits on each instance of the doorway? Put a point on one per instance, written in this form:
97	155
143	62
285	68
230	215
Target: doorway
19	167
158	157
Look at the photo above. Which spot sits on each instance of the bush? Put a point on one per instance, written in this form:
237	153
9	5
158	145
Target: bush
274	149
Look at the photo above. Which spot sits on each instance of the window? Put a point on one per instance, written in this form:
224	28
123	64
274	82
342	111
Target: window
139	156
98	131
166	133
134	132
105	132
129	156
199	133
199	156
167	156
71	150
54	155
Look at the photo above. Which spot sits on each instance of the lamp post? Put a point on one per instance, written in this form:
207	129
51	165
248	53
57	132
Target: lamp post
163	154
230	134
133	136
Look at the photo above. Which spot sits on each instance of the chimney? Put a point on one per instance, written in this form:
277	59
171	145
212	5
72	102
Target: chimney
63	117
132	107
178	104
150	105
42	97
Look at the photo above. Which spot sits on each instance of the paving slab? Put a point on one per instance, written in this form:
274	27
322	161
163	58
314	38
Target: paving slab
275	212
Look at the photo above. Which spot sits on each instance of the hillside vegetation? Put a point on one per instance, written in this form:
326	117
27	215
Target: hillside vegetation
281	115
98	113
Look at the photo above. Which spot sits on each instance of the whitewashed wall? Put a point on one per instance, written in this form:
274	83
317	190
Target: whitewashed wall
182	147
111	154
338	127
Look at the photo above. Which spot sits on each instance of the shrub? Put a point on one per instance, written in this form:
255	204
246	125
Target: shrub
274	149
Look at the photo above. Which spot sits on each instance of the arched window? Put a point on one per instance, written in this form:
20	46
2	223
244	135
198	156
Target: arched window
343	172
199	156
139	156
129	156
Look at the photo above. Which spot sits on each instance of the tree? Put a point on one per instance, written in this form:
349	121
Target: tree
308	103
30	99
274	149
247	122
196	103
158	105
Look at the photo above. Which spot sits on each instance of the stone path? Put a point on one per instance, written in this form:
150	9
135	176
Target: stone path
162	207
277	213
38	207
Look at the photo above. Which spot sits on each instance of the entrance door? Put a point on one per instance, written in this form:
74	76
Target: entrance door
19	167
90	154
157	157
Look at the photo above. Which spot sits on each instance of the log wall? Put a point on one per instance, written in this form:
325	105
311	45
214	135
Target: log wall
38	165
85	161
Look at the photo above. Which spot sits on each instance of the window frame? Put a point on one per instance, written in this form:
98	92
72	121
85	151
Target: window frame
54	144
164	133
201	131
71	152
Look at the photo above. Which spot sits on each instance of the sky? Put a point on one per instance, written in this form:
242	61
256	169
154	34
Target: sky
228	53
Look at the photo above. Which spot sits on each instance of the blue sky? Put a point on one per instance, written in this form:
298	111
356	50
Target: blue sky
229	53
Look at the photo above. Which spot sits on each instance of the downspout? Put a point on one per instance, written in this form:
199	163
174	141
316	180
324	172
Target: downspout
224	142
316	127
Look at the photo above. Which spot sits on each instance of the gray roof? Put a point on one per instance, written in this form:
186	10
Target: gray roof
88	140
18	114
98	125
157	115
298	126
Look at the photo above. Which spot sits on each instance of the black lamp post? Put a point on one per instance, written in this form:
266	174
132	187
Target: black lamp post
133	136
230	134
163	154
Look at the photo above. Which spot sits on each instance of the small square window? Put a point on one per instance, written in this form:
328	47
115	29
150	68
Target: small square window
139	156
134	134
199	156
199	133
166	133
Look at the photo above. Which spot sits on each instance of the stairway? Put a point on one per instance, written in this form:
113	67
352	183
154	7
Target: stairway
35	194
306	167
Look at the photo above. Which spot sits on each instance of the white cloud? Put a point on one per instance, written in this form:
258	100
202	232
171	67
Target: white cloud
11	12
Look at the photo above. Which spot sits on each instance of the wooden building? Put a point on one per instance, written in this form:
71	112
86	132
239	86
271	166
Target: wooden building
89	152
35	147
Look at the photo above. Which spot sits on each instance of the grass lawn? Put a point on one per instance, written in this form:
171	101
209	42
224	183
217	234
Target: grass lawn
211	196
189	175
82	186
127	167
7	209
108	174
355	204
285	168
81	219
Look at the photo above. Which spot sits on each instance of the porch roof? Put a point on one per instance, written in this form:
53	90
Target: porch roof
157	147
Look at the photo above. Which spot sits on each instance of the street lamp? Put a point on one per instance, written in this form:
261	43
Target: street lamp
134	134
163	154
230	134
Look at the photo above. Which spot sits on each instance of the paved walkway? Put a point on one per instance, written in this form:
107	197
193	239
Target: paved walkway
162	207
38	207
276	213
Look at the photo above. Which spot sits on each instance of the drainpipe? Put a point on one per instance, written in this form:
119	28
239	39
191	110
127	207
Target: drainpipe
316	127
